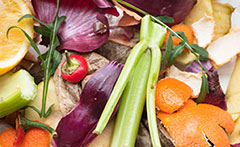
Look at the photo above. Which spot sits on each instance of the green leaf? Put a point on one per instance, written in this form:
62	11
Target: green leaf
55	62
177	50
169	48
49	26
34	108
42	30
201	51
204	89
165	19
29	38
49	111
182	34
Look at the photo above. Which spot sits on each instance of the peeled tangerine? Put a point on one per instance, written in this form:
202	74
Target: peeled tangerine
196	125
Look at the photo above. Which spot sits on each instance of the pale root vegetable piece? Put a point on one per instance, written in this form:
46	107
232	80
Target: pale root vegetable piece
202	21
104	139
224	49
233	102
204	30
234	137
201	9
193	80
222	16
185	58
53	119
233	91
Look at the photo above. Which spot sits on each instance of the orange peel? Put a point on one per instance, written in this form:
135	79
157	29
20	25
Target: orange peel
171	94
192	124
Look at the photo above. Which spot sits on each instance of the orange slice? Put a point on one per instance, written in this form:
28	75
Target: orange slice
13	49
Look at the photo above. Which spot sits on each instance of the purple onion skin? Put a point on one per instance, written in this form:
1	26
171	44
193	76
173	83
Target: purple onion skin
178	9
235	145
75	129
215	96
77	31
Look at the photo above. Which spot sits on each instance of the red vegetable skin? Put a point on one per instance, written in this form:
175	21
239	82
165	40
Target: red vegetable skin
178	9
74	69
75	128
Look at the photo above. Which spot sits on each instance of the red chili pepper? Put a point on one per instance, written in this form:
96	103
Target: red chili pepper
74	68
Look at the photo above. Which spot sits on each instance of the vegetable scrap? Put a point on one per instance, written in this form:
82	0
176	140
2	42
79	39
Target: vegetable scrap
75	68
75	128
194	125
77	33
171	94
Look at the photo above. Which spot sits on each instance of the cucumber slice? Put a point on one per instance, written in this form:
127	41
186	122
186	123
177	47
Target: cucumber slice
16	91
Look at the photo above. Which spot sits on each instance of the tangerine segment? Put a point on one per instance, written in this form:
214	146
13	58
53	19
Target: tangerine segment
181	28
7	137
171	94
13	48
189	125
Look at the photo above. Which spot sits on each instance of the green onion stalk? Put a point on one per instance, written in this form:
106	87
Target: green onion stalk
151	37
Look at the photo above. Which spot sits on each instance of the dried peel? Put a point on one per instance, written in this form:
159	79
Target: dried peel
189	125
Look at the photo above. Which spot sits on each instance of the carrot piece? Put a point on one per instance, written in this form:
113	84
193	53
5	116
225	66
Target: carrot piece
171	94
191	123
7	137
36	137
181	28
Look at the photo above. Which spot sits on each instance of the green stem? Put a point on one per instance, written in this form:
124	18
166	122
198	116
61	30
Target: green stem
24	122
132	104
69	61
47	75
121	83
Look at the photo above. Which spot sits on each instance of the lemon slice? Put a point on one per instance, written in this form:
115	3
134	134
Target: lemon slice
13	49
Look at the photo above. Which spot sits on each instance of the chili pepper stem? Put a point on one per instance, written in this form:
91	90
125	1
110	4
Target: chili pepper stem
69	61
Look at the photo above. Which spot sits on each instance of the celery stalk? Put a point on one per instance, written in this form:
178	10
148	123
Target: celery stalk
17	90
132	104
151	37
157	34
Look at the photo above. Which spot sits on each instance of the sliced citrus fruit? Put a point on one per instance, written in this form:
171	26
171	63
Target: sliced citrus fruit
13	48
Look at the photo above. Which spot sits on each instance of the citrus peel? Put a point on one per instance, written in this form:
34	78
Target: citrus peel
13	48
193	124
171	94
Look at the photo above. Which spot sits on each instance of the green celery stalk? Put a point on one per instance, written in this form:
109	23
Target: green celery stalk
132	104
17	90
157	33
151	37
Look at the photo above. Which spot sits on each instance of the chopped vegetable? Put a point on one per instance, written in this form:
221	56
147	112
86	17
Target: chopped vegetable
148	39
7	137
78	31
195	68
192	124
171	94
17	90
178	9
131	105
75	68
75	128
